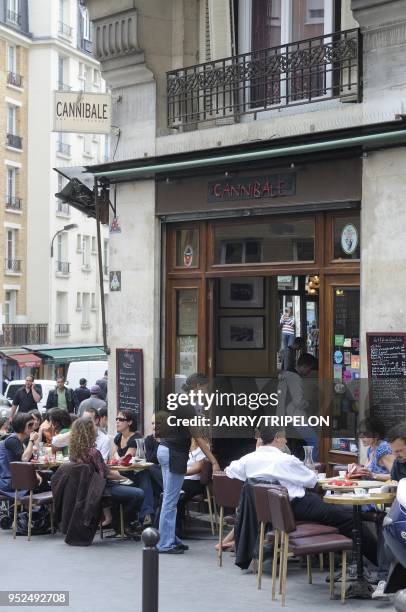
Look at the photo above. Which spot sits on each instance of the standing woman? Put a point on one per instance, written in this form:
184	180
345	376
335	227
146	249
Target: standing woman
173	455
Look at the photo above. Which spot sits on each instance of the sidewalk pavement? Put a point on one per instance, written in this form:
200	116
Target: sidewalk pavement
106	577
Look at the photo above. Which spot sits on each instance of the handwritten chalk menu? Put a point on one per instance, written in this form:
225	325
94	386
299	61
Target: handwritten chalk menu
130	383
387	373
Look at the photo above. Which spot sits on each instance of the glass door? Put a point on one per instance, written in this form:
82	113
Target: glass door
343	377
185	342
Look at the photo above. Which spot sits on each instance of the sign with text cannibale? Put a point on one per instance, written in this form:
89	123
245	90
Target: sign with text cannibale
80	112
130	383
251	188
386	354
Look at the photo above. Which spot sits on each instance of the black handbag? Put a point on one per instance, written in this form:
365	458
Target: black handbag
40	522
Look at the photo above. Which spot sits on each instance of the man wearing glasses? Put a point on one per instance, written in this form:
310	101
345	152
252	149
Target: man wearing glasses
26	398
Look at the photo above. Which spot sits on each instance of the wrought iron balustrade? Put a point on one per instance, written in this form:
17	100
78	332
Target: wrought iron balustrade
62	328
63	86
13	202
12	140
19	334
63	267
12	265
14	79
14	17
64	29
62	208
301	72
63	147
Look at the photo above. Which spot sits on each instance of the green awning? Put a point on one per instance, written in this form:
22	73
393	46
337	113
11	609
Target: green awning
66	355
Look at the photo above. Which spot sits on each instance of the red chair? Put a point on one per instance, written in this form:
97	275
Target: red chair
285	525
227	493
24	478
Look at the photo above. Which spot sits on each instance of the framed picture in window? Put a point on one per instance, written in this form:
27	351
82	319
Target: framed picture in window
242	292
241	333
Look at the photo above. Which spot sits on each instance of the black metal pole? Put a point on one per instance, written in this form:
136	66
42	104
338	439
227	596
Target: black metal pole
150	570
100	261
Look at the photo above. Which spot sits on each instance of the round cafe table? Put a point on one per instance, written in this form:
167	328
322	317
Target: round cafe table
359	588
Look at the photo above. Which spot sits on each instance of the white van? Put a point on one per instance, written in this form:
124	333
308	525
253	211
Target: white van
44	385
91	370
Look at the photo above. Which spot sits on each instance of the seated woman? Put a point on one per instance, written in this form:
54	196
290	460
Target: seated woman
82	449
12	449
151	444
379	453
61	425
191	483
125	443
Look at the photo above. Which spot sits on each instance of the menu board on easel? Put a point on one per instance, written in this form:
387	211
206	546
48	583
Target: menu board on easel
387	373
130	383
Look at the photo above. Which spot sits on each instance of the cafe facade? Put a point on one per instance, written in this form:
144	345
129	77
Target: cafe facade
217	231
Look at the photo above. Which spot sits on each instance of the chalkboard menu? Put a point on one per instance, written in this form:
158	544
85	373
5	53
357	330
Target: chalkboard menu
387	373
130	383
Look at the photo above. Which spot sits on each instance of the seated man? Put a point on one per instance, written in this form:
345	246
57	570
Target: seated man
269	463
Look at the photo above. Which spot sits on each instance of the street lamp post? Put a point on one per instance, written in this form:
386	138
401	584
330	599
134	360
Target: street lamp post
65	228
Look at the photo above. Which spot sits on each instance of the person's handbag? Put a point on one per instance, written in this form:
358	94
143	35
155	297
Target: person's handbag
40	522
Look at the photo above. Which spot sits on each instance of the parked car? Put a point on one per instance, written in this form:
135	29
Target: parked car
43	385
5	406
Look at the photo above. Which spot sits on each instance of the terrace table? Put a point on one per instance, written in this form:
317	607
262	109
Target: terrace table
359	588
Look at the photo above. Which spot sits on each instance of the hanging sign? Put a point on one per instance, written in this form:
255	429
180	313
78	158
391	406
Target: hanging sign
82	112
115	227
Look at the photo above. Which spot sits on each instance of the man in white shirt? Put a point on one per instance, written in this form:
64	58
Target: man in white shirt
103	442
268	462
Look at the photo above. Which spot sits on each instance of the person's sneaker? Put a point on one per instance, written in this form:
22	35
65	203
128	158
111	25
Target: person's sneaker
147	520
172	551
183	546
379	592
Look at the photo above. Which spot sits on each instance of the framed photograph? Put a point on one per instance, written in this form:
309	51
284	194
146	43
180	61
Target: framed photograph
241	333
242	292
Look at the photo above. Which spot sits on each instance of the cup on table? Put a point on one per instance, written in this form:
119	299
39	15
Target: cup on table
359	491
321	475
59	456
342	474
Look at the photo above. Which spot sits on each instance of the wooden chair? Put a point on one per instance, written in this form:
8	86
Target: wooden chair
284	524
24	478
227	493
206	480
263	509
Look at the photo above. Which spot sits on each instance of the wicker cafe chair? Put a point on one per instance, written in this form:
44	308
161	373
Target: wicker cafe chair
284	524
24	478
227	493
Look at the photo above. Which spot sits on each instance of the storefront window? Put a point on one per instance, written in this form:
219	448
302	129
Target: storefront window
347	237
186	332
187	248
269	241
346	367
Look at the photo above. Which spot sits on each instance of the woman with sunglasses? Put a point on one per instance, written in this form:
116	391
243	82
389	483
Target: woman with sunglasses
12	449
125	443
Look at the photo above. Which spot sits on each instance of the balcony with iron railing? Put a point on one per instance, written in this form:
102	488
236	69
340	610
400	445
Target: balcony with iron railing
12	266
14	141
13	203
63	268
64	29
307	71
86	45
14	79
63	148
62	329
20	334
62	209
13	17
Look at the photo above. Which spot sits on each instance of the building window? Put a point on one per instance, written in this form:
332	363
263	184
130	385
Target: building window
93	305
10	306
11	183
315	11
85	309
86	252
81	74
87	145
87	32
11	119
96	77
62	325
79	243
88	78
12	264
105	257
78	301
12	59
13	11
94	245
